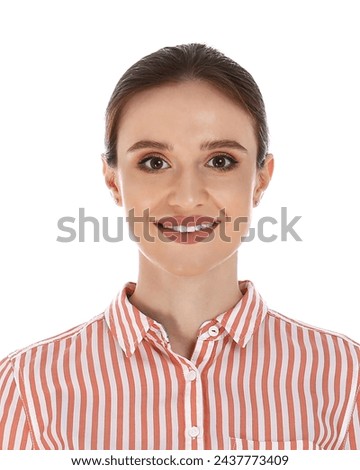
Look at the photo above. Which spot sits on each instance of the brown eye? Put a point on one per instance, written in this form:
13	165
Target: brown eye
222	162
219	161
153	163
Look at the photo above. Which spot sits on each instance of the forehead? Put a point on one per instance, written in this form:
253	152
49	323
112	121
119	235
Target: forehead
194	109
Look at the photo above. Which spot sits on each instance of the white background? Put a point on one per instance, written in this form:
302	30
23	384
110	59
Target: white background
60	61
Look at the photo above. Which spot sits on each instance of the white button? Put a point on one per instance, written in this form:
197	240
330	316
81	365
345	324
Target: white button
191	375
213	331
194	431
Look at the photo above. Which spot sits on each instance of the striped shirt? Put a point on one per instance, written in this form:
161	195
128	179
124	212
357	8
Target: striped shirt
256	380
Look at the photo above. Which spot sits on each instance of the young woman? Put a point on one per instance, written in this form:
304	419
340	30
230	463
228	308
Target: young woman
188	357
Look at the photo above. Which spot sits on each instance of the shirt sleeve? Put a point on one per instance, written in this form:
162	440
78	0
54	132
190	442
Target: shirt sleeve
352	441
14	428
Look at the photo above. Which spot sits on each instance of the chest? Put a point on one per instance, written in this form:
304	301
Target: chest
225	397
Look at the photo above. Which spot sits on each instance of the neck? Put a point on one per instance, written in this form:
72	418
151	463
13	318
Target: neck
182	303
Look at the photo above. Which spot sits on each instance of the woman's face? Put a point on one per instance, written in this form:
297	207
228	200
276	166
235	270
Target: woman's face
186	152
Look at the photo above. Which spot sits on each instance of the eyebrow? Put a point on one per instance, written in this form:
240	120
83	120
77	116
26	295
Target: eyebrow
144	144
208	145
214	144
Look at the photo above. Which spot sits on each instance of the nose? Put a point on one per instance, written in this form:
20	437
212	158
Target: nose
188	190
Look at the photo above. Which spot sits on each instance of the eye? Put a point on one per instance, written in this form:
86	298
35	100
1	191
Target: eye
153	163
222	162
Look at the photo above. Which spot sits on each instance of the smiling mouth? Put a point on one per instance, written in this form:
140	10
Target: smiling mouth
187	229
188	235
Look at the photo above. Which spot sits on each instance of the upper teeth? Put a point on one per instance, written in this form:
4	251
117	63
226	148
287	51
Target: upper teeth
182	228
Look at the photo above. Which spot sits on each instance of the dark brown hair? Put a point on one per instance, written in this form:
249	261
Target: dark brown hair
181	63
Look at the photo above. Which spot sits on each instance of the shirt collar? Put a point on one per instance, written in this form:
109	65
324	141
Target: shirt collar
129	326
244	319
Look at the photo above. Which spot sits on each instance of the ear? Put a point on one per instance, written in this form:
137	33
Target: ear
263	178
111	181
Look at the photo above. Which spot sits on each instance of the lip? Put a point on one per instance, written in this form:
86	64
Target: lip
187	238
186	221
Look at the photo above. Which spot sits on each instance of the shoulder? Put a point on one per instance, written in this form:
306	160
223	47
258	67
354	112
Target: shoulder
52	345
315	338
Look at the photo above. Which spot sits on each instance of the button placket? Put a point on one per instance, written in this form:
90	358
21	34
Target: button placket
194	406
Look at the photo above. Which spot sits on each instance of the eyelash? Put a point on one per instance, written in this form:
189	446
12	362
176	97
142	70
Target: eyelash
232	165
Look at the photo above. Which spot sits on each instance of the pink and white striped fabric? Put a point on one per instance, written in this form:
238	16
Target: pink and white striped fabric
256	380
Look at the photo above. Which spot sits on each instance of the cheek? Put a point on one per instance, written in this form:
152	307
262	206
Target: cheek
235	192
136	193
237	201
